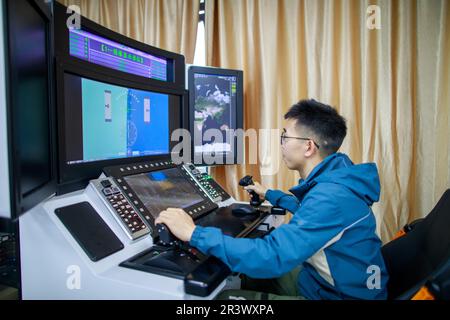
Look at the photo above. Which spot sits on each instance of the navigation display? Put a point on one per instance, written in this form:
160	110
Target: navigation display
105	121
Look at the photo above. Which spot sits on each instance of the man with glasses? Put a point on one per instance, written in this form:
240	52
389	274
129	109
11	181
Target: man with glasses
329	249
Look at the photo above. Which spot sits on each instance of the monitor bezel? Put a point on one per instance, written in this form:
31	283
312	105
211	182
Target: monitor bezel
239	74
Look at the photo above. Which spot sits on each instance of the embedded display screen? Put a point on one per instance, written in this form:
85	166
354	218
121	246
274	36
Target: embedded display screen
159	190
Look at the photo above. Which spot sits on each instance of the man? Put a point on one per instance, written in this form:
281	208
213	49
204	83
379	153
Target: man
330	242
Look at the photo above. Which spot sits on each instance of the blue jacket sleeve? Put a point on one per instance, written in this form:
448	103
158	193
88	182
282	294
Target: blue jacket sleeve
315	223
282	200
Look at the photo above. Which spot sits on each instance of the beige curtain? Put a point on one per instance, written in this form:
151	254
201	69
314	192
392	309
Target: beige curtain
392	84
166	24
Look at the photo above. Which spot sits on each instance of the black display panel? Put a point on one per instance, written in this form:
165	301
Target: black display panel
90	231
30	111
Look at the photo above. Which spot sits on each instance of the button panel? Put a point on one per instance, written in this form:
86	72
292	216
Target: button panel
213	190
122	209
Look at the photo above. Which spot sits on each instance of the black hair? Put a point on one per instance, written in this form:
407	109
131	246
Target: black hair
323	121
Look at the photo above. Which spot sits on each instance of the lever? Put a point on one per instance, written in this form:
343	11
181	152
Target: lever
255	200
166	238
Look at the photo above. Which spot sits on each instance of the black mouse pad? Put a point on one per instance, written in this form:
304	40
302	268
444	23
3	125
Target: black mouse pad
89	230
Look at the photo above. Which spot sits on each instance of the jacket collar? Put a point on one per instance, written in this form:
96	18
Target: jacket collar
304	185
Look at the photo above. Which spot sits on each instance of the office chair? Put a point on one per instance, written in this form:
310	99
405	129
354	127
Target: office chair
418	261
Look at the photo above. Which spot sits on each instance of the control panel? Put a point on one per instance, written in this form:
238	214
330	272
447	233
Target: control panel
154	186
136	193
214	191
122	209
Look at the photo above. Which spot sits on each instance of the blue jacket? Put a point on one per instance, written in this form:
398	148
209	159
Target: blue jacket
332	233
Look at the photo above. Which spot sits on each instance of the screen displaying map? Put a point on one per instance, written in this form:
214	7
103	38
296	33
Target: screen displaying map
215	104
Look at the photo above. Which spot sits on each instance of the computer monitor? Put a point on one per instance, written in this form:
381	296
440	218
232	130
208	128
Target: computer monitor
215	113
30	121
118	100
106	121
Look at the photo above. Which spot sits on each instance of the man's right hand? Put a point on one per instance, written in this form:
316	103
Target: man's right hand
258	188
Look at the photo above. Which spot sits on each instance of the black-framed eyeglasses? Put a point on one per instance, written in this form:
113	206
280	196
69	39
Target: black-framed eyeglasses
284	137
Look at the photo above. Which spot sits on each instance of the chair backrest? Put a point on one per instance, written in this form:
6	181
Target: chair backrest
412	259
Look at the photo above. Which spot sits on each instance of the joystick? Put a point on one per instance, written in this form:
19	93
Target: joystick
166	238
255	200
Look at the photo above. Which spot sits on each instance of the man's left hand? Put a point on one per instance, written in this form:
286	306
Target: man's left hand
179	223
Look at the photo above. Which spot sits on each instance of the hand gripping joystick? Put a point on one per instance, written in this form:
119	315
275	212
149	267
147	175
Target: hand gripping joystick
255	201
